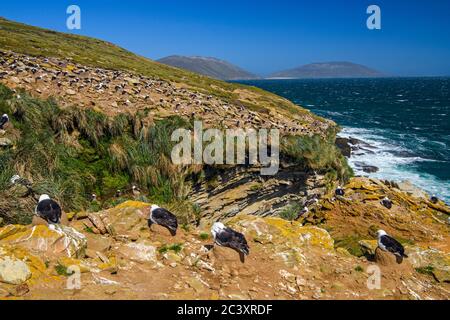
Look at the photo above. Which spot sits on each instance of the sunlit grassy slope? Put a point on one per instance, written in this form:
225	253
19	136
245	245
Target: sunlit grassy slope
36	41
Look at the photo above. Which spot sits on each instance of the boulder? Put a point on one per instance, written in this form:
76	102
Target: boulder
13	271
344	146
53	241
434	260
142	252
127	221
282	232
368	247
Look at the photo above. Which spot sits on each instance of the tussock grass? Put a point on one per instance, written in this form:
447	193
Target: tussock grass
291	212
72	153
318	154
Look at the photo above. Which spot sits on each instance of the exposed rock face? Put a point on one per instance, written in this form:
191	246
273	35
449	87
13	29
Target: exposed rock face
244	191
344	146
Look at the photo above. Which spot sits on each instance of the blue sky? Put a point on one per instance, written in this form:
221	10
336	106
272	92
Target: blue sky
260	35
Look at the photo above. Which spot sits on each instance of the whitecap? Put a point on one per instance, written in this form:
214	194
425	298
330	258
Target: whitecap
395	162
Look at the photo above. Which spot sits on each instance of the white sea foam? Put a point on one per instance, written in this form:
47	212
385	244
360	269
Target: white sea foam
394	162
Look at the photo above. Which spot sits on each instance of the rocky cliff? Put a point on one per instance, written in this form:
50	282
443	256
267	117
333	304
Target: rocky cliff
87	117
112	254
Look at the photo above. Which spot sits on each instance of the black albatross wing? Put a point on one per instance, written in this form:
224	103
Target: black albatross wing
165	218
49	210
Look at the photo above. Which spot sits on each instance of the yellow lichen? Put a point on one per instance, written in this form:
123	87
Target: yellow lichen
132	204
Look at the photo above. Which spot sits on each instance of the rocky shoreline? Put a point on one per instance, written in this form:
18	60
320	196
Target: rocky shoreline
349	146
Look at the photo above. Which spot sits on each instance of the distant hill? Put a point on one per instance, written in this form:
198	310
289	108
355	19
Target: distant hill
208	66
329	70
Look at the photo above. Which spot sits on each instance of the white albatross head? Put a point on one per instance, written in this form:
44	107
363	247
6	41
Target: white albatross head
381	233
154	207
44	197
216	228
5	116
14	179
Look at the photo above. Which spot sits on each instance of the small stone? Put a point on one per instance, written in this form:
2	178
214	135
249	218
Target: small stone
110	291
317	296
13	271
15	80
20	290
300	281
71	92
196	284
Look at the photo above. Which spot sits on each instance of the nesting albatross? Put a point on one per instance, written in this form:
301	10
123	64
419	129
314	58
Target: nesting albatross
163	218
49	210
386	202
434	199
389	244
3	120
227	237
339	191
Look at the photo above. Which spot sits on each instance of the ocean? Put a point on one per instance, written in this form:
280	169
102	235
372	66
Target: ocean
405	120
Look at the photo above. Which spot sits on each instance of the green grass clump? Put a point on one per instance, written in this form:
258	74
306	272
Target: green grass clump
359	269
291	212
177	247
318	154
351	244
62	270
204	236
89	230
72	153
428	270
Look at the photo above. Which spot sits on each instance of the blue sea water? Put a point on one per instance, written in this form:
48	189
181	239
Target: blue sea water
406	119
